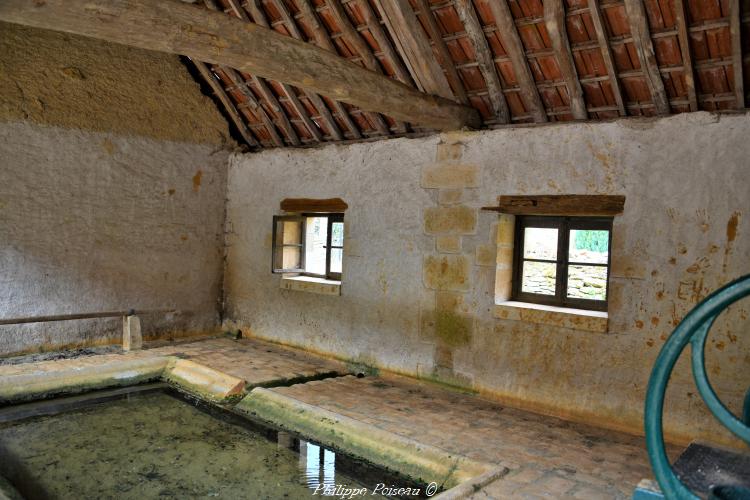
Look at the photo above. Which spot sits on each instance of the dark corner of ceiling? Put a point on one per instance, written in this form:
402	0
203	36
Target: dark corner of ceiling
206	90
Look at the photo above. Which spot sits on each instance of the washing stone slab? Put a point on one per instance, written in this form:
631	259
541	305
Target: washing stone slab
203	381
209	368
32	381
460	475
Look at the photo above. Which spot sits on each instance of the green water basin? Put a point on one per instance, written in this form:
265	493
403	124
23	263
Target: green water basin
153	442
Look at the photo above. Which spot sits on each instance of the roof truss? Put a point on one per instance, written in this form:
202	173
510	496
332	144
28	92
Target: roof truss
513	61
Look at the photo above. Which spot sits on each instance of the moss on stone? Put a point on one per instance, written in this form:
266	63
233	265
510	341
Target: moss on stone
453	329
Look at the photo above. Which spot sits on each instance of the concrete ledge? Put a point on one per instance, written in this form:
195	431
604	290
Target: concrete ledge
73	378
418	461
203	381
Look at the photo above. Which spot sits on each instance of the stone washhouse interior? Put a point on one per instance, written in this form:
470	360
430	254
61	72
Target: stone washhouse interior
455	249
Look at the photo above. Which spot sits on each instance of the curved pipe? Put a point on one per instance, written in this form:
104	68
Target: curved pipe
696	321
721	412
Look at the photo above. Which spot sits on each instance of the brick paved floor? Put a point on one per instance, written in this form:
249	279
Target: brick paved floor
547	457
258	363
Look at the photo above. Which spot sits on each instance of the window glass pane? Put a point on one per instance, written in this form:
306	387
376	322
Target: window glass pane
539	277
337	255
315	244
540	243
588	246
337	234
587	282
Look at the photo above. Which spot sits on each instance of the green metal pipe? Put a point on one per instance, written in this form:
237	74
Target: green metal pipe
696	323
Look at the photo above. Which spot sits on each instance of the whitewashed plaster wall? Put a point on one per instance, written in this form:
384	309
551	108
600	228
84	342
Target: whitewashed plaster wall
684	232
93	222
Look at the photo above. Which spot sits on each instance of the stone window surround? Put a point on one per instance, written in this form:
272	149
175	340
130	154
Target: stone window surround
563	317
578	319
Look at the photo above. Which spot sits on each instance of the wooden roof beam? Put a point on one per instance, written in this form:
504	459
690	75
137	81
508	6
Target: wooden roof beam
175	27
514	47
609	63
451	73
483	54
318	103
554	20
262	20
373	24
645	48
681	20
360	45
323	41
226	101
265	90
735	29
404	26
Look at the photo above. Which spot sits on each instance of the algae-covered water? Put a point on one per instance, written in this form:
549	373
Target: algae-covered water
155	445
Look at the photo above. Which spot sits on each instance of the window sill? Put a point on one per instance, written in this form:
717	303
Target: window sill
577	319
310	284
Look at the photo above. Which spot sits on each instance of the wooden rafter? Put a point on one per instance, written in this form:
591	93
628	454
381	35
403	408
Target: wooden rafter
403	25
226	101
360	46
376	30
373	24
273	102
177	28
514	48
240	84
261	19
681	20
554	20
259	16
644	46
483	54
400	48
735	30
351	35
602	38
261	84
433	31
323	41
310	125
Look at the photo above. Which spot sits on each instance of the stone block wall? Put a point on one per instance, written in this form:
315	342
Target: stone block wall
447	317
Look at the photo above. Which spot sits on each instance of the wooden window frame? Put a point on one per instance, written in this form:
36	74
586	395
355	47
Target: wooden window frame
564	225
300	245
331	218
